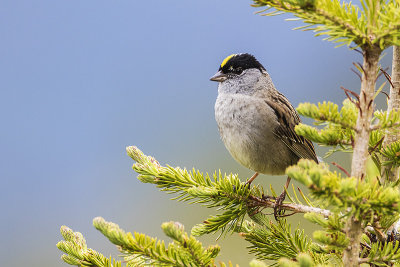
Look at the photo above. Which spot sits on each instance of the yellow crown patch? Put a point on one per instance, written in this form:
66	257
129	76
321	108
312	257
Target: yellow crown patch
226	60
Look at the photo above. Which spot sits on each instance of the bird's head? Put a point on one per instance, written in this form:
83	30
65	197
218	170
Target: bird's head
237	65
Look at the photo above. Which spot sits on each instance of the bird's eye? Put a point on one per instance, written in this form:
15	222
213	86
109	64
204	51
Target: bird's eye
238	70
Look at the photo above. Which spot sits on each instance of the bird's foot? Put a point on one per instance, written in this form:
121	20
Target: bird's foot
248	184
264	197
278	212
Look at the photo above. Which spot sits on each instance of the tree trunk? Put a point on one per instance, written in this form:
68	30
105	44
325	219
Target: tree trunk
353	232
360	152
391	174
361	140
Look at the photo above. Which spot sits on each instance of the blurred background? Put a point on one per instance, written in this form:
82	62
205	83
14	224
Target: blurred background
81	80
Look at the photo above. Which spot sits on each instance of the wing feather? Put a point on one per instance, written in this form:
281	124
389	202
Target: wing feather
288	119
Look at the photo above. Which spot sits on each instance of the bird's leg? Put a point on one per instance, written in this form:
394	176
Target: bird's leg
252	178
279	200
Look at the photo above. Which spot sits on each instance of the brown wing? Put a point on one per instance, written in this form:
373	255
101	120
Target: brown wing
288	119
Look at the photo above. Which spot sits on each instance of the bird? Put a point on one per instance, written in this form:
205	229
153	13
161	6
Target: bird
256	122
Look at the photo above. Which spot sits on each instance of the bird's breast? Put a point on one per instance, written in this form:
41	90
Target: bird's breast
246	125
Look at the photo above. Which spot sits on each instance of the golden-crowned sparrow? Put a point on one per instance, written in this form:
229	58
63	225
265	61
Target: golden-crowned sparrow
255	121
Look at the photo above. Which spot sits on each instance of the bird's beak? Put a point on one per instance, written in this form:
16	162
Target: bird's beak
218	77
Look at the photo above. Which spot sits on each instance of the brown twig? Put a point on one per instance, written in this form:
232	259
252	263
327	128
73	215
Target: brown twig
383	71
370	103
361	67
386	94
358	74
352	141
387	76
341	168
376	145
378	126
351	92
357	50
348	92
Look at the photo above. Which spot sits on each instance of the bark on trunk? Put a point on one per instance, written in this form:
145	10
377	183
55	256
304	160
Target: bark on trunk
360	154
392	174
361	140
353	233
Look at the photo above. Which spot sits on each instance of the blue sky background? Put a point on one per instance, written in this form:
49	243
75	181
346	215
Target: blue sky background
81	80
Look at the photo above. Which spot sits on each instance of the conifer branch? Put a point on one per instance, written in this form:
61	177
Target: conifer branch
275	240
379	253
387	119
302	260
391	155
339	125
330	135
341	21
77	253
257	263
389	23
367	199
143	250
224	191
379	126
325	17
329	112
139	249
